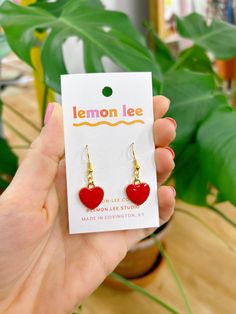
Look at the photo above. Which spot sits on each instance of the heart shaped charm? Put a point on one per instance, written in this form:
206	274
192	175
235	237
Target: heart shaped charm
91	197
138	193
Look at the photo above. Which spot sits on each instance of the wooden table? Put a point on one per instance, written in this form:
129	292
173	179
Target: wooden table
205	264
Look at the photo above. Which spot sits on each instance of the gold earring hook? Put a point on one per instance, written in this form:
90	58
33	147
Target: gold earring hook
132	146
90	169
87	150
90	166
136	166
136	163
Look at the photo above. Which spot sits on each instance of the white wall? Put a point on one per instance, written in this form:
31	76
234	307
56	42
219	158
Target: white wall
136	9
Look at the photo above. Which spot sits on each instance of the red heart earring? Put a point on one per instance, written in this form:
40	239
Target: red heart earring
91	196
137	192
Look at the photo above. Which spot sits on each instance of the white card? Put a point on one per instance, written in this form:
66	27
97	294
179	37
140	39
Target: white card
109	125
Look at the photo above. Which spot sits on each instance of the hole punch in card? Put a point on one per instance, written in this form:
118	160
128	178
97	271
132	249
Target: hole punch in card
109	151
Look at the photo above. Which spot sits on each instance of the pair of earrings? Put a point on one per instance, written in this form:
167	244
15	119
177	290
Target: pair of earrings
137	192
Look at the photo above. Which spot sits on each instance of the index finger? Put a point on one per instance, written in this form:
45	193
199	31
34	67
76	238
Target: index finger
160	106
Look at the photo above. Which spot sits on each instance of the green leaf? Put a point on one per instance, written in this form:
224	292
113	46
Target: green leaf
217	142
219	37
20	34
192	103
222	215
108	32
4	47
193	97
207	227
194	59
162	54
53	69
172	270
144	292
57	6
8	160
220	198
53	7
3	184
191	182
92	58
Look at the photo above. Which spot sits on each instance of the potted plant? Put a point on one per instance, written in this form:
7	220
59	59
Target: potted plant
206	138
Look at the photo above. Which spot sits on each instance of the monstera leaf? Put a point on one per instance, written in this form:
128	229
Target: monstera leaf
216	140
194	59
56	7
104	33
217	37
162	54
191	182
194	96
209	160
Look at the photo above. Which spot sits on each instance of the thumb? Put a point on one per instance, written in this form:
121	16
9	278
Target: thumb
37	172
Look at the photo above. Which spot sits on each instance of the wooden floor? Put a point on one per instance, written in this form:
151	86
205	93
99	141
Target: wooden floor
206	265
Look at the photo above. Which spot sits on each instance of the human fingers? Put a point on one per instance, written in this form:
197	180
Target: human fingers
36	174
164	131
160	106
164	158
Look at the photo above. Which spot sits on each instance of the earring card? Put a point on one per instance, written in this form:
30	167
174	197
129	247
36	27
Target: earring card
108	112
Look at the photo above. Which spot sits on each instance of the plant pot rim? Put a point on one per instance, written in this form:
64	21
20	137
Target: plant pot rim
142	281
147	242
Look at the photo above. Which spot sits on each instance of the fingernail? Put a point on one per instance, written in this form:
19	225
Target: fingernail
173	190
173	121
48	113
171	150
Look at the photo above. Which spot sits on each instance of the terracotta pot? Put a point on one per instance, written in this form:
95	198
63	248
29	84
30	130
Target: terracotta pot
141	281
226	69
141	264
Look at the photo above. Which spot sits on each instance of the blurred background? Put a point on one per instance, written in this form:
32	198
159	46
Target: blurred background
190	47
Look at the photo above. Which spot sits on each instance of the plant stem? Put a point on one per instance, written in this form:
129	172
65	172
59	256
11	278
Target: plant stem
144	292
220	213
22	116
209	228
19	134
175	275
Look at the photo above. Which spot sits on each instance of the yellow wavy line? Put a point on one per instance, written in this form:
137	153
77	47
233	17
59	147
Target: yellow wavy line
108	123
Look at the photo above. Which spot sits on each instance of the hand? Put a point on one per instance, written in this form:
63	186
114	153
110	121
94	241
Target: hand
43	269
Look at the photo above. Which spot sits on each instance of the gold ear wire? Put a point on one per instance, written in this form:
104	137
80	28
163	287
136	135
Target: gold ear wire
90	196
90	170
90	166
136	167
